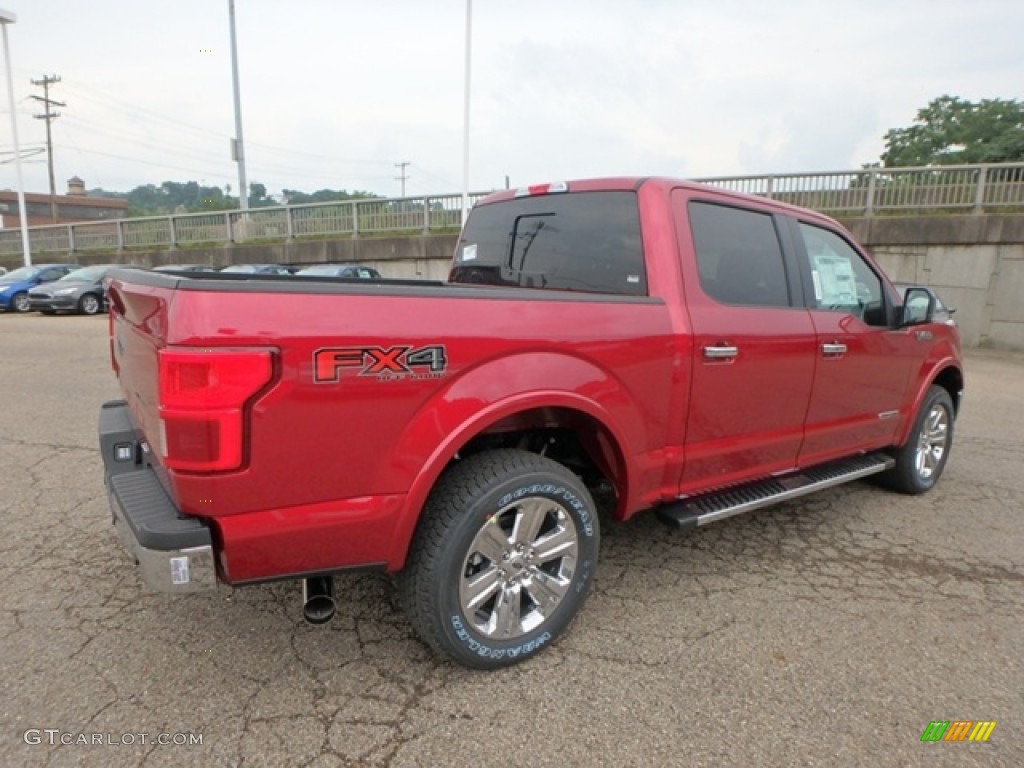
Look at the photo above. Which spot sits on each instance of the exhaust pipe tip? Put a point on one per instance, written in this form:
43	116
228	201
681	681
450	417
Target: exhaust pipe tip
318	606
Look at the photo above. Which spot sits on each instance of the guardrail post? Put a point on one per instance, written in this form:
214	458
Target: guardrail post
770	189
979	192
426	215
289	227
173	231
355	219
71	239
228	231
120	234
869	205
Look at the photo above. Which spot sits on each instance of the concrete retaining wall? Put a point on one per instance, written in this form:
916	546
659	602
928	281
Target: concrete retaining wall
975	262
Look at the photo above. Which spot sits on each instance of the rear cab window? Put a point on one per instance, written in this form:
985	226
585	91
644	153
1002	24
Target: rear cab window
576	241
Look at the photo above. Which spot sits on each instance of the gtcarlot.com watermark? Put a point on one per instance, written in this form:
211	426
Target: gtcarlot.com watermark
54	737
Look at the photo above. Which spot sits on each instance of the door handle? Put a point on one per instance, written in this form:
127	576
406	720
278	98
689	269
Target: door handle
833	350
720	352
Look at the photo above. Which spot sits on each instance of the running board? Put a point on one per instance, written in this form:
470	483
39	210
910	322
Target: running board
707	508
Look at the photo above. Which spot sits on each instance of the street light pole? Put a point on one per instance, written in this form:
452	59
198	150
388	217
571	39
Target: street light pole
465	114
6	17
239	144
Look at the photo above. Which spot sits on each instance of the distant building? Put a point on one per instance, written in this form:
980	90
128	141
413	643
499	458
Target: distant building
73	207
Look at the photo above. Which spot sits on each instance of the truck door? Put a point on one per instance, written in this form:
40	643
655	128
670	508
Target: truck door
864	363
753	340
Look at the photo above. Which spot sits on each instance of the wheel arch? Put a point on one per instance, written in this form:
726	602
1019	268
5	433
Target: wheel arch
949	375
449	425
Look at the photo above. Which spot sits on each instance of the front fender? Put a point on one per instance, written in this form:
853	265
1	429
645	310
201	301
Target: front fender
943	359
494	391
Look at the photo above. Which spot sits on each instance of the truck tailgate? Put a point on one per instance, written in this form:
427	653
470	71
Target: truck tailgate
138	326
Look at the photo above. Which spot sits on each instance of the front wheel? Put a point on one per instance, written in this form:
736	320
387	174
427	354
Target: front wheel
502	559
20	302
919	463
89	304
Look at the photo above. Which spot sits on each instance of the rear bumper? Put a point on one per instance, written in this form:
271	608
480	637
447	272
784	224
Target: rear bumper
174	553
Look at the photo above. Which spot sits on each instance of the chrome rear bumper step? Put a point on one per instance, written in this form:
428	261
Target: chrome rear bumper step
696	511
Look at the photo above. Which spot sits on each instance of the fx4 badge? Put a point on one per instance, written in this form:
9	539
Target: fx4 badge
401	362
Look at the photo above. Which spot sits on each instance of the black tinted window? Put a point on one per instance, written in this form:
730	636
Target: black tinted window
582	241
738	255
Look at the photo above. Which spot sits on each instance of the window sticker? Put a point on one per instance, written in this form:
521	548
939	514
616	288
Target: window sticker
835	281
817	285
469	252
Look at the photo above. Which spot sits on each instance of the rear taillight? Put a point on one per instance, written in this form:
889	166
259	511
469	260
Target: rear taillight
112	341
202	397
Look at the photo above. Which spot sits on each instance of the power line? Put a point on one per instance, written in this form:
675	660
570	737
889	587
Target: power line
107	101
49	117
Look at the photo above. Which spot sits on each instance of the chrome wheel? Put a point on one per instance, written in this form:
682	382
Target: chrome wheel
932	442
89	304
21	302
519	567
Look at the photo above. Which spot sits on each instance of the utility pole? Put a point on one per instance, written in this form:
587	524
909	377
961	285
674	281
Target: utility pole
49	117
404	176
237	144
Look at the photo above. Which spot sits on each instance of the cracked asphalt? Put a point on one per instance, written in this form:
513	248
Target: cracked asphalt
826	631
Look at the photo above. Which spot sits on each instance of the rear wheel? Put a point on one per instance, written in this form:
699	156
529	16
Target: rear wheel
20	302
919	463
89	304
502	559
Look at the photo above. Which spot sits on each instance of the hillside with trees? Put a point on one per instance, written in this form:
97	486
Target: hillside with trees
193	197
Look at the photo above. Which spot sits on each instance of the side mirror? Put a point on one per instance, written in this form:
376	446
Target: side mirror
918	307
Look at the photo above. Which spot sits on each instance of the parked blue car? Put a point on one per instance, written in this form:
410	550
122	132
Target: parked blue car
15	285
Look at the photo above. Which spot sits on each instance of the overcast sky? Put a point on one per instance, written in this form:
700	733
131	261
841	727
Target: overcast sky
336	92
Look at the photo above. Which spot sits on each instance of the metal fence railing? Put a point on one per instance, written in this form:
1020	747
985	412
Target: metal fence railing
879	190
864	192
371	216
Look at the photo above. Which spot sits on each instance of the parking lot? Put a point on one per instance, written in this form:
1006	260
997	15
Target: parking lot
826	631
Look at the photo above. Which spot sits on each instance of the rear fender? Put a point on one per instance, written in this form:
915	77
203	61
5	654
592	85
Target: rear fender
494	391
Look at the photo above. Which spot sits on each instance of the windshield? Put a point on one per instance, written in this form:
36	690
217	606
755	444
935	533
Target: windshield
88	274
22	273
322	269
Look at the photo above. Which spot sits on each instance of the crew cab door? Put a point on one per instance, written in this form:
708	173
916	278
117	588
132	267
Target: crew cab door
753	340
863	361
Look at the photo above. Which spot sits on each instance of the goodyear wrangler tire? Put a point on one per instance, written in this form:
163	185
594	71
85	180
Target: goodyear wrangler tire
502	560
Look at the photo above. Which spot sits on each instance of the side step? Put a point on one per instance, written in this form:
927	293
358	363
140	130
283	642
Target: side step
700	510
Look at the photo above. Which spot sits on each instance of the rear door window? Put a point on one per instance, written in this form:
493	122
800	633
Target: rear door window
580	241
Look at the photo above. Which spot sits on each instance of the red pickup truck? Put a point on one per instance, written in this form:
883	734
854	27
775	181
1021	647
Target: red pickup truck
603	346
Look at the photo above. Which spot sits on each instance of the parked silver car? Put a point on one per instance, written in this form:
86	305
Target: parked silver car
355	271
80	291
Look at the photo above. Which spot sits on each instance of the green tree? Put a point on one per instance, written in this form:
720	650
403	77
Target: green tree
295	197
954	131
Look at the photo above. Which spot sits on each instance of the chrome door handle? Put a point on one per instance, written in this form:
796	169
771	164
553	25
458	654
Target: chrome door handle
833	350
720	353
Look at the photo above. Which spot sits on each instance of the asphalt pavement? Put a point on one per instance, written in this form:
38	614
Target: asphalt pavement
829	631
